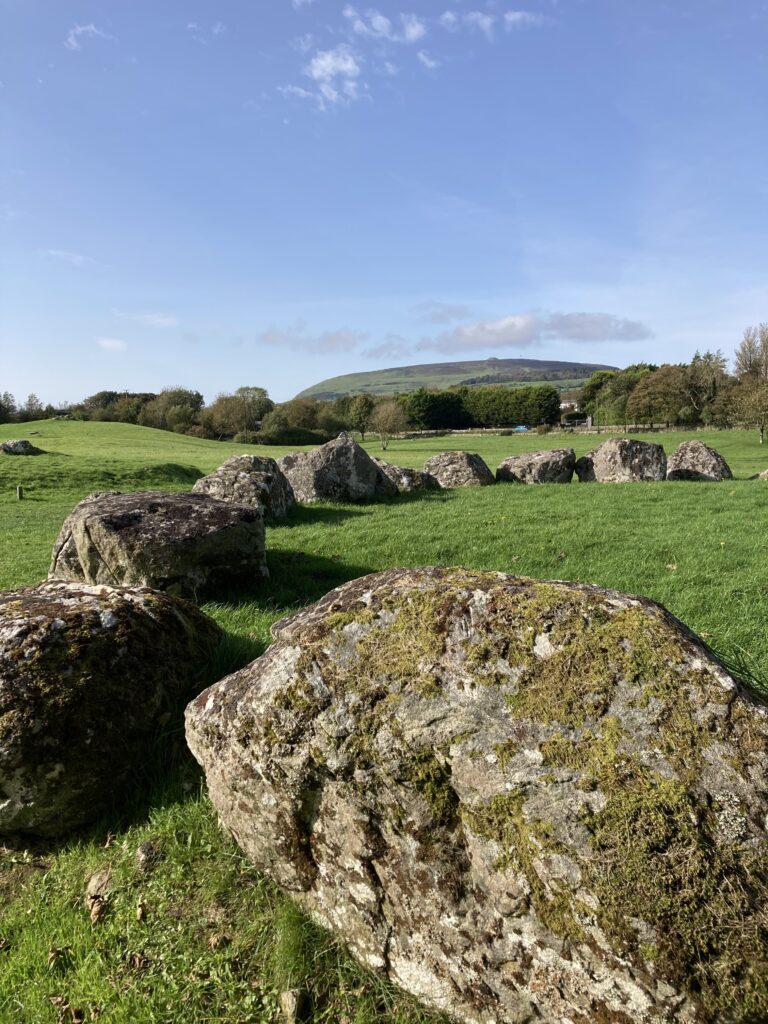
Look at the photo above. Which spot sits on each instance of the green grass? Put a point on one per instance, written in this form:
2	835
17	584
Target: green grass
218	941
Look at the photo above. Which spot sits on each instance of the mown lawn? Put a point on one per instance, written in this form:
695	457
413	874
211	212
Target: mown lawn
216	942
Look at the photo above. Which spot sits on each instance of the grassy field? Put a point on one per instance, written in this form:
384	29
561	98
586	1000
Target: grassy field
214	941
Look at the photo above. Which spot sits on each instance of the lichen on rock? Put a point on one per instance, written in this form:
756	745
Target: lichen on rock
520	800
86	674
187	544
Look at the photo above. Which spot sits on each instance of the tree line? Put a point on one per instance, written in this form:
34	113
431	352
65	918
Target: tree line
701	392
249	415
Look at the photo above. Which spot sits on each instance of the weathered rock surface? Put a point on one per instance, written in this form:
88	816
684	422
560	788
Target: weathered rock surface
521	801
619	460
459	469
338	471
250	480
552	466
20	447
85	674
406	479
187	544
694	460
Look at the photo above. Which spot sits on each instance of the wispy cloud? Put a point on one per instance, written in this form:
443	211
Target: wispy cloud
112	344
431	312
298	4
148	319
531	329
78	32
482	22
336	73
523	19
450	21
375	25
203	34
429	62
392	347
297	337
75	258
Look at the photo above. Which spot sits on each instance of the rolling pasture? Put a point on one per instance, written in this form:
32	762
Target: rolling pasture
214	941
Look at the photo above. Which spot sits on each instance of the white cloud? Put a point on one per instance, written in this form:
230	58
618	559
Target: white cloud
390	68
523	19
112	344
414	28
483	22
75	258
427	61
298	4
431	312
72	42
296	337
148	319
296	92
393	347
375	25
336	73
531	329
449	21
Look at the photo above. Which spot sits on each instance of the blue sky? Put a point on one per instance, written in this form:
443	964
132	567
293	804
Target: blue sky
275	191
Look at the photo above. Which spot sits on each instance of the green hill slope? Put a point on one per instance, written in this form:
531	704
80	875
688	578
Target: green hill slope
472	372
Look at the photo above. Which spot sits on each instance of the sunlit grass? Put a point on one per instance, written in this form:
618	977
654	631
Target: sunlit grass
218	942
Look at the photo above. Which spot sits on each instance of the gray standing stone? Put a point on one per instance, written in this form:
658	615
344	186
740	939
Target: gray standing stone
619	460
338	471
459	469
519	800
694	460
250	480
187	544
406	479
551	466
85	675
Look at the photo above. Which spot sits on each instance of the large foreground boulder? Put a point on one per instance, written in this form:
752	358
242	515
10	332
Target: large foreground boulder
406	479
521	801
250	480
694	460
552	466
20	447
459	469
619	460
338	471
187	544
85	675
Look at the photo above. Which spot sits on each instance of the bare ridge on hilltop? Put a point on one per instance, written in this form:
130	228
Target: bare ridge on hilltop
472	372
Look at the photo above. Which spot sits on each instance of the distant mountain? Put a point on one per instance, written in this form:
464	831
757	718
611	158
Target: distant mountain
473	373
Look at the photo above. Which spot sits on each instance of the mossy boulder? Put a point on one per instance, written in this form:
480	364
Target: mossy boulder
551	466
250	480
187	544
519	800
459	469
86	676
621	460
337	471
406	479
694	460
